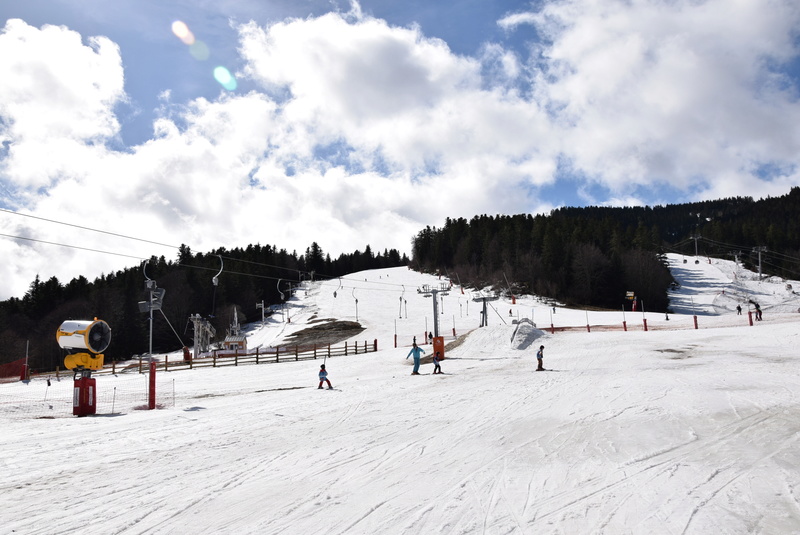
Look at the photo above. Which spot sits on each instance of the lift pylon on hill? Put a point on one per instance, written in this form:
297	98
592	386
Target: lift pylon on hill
484	313
428	291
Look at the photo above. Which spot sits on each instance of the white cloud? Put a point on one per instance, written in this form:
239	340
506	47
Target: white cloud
683	93
56	93
510	22
363	133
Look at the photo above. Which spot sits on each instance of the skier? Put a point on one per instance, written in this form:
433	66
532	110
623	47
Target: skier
738	310
323	377
436	359
540	359
417	352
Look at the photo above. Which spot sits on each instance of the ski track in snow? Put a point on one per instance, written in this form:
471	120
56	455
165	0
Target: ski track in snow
670	431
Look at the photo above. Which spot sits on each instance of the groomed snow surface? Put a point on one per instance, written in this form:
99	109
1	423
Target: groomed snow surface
673	430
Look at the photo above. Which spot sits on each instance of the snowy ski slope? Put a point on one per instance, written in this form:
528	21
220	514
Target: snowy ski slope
674	430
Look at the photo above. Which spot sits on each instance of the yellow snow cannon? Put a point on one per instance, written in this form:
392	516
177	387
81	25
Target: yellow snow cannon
76	335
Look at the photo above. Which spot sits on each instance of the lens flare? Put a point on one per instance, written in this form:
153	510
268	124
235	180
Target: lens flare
182	32
199	51
225	78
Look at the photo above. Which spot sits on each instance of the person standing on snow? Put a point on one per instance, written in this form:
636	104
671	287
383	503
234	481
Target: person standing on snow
540	359
323	377
417	352
437	368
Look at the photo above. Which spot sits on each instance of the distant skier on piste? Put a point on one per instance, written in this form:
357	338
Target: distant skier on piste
540	359
417	352
323	377
437	368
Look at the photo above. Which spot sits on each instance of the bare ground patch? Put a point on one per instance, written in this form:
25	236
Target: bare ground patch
330	332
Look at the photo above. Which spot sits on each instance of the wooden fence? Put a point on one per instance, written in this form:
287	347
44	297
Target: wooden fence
220	357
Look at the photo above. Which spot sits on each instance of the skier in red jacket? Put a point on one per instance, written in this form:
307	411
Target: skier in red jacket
323	377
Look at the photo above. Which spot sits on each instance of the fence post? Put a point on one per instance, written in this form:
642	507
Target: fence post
345	348
375	345
214	357
355	344
296	354
140	363
166	363
257	349
236	357
315	351
329	351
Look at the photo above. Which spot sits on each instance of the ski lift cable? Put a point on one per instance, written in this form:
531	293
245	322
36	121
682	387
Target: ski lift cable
121	236
171	327
742	247
782	256
88	228
779	268
230	272
70	246
262	264
496	312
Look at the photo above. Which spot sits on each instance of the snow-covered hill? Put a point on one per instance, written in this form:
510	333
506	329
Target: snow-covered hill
673	430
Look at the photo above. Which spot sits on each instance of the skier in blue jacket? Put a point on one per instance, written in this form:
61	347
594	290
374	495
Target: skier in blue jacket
417	352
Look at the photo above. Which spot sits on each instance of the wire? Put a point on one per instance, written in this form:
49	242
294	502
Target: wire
171	327
155	243
71	246
87	228
233	272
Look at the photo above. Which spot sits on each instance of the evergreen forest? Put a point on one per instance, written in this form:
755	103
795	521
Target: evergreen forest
588	257
246	277
593	256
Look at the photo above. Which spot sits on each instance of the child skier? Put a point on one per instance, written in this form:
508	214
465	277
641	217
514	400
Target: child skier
540	359
323	377
436	367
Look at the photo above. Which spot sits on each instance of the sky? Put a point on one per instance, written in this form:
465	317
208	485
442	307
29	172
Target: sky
672	430
354	124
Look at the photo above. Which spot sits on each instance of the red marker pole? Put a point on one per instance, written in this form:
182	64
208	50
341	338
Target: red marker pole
151	402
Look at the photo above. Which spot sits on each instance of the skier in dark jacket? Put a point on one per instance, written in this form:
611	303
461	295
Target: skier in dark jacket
437	368
417	352
323	377
540	359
